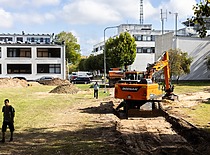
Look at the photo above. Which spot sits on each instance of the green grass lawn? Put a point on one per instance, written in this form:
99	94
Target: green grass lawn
190	87
38	129
200	114
34	105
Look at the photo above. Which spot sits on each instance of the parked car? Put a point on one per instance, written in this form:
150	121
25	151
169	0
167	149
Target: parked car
19	77
81	80
44	78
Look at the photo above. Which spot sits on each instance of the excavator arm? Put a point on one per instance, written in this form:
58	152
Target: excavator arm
162	63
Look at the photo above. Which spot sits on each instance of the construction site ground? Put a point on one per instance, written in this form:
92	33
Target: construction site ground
91	127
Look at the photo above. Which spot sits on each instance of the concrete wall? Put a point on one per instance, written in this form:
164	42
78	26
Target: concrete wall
163	43
141	61
199	49
196	47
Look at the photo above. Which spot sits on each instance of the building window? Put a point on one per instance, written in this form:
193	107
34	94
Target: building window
139	50
18	68
47	40
152	38
149	38
55	68
144	37
9	39
145	50
101	47
2	39
49	68
20	39
19	52
49	52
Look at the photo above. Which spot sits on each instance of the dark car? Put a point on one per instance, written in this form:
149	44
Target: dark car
20	78
44	79
81	80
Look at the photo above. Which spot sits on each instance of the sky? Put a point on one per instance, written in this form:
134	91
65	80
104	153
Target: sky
87	19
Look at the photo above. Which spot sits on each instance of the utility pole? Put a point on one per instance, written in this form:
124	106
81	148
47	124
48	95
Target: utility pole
110	27
163	15
141	19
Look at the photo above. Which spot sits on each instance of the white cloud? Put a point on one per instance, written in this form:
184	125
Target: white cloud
183	7
118	11
15	4
33	18
45	2
89	12
6	19
92	41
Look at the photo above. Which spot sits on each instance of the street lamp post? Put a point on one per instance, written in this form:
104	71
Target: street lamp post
109	27
176	18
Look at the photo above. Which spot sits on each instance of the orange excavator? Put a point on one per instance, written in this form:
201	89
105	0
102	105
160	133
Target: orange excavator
142	96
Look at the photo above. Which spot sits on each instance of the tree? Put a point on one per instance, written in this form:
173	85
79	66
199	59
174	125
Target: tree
208	62
120	51
92	63
81	65
179	63
201	12
72	47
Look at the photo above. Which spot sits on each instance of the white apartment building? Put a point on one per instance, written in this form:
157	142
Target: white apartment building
31	56
145	40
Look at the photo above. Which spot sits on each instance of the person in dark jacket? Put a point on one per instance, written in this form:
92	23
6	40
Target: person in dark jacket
8	120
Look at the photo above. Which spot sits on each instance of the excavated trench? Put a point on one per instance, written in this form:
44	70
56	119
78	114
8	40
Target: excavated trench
163	135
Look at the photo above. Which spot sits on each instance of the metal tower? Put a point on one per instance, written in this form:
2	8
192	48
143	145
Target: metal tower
141	12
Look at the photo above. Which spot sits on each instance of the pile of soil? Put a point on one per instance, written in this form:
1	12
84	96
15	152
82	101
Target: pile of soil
8	82
65	89
54	82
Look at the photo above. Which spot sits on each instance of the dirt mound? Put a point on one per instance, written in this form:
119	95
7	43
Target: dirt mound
65	89
8	82
54	82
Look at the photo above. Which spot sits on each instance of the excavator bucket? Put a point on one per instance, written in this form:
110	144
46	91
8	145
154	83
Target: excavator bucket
171	96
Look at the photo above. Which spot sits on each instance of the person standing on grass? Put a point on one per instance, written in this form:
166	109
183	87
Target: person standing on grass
96	88
8	120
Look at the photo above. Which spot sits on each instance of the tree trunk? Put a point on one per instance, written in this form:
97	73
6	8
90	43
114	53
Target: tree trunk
177	80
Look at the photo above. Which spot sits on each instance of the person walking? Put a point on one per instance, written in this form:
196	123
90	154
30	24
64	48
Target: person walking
96	88
8	120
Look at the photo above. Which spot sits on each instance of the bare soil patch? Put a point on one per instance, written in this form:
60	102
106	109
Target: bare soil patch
9	82
54	82
65	89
